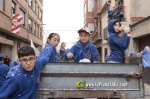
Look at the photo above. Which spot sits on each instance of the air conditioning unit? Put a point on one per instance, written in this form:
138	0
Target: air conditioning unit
108	1
106	34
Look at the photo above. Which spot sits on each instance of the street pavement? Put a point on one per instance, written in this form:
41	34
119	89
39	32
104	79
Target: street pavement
147	91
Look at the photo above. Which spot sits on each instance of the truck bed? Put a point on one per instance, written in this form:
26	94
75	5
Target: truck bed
91	80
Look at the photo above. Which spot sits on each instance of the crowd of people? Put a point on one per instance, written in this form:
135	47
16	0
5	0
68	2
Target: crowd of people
21	80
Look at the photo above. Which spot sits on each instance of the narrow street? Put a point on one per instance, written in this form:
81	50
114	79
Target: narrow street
74	49
147	91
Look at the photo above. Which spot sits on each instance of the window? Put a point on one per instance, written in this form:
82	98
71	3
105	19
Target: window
41	35
23	14
37	31
106	34
2	5
35	28
40	16
30	3
30	24
38	11
13	8
91	26
34	7
90	5
40	32
41	1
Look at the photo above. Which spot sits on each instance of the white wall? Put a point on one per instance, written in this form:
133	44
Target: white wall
91	26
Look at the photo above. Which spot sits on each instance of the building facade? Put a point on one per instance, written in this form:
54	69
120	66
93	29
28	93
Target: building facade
129	12
32	12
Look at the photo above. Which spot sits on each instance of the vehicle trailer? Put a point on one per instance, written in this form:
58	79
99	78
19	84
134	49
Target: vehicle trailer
91	80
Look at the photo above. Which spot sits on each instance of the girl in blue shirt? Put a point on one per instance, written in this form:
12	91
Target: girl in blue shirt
52	42
117	44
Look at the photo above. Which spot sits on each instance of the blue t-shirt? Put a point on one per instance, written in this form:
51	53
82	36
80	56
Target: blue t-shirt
53	55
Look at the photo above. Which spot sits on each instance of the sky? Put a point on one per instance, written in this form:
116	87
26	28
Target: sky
64	17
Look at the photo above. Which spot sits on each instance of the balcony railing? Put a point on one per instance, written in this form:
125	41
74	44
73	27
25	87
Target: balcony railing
95	36
118	14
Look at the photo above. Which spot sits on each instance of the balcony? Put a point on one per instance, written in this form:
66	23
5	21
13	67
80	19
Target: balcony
117	12
95	36
102	7
96	9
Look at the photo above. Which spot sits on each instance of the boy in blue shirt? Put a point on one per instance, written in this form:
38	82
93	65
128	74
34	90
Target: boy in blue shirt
84	49
3	71
117	44
22	79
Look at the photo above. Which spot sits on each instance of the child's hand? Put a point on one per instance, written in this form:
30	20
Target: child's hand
89	55
70	55
126	29
121	29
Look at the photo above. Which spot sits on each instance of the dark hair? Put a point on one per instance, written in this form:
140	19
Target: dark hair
51	36
25	51
116	22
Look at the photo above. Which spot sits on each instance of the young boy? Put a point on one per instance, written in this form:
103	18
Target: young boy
117	44
84	49
3	71
22	79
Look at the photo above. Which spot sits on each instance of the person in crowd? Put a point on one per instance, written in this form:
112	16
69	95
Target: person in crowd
117	44
52	42
22	80
146	57
62	50
145	54
7	60
84	49
15	63
3	71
